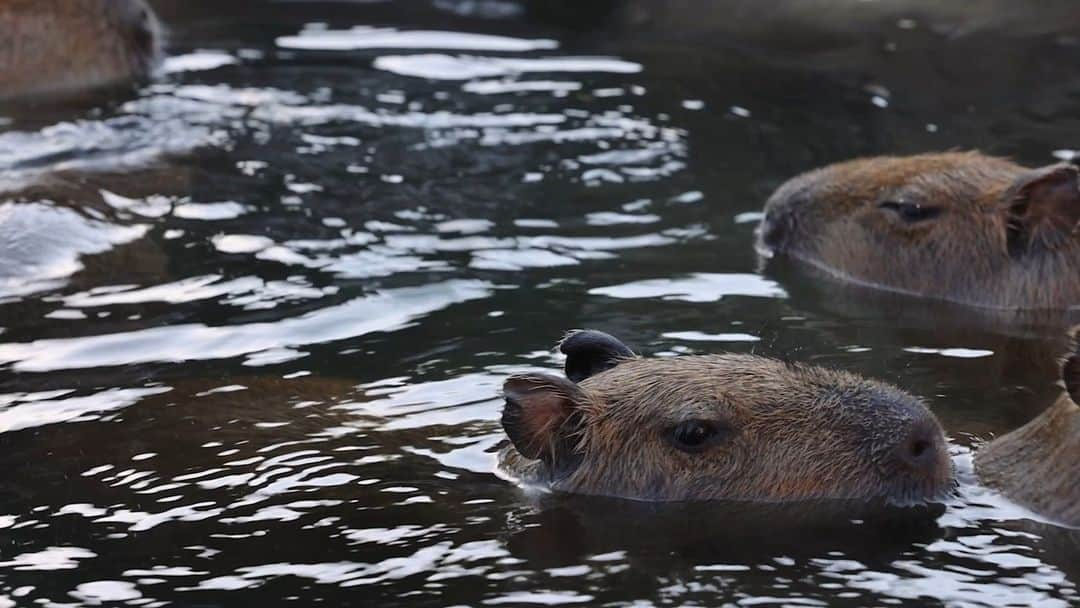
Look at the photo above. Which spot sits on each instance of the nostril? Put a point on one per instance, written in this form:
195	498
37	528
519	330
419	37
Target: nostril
919	448
918	451
773	231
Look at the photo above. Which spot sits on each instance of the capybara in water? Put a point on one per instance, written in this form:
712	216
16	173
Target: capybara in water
959	226
50	47
1038	465
727	426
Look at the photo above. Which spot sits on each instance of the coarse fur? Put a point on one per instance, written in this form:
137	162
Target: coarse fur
783	431
959	226
53	47
1037	465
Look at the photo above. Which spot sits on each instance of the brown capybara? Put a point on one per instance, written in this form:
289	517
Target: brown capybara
53	47
959	226
1038	465
717	427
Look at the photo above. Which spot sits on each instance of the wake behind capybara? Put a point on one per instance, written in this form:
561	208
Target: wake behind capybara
958	226
717	427
54	47
1037	464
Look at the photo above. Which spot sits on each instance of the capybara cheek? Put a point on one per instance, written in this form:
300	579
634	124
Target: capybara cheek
842	247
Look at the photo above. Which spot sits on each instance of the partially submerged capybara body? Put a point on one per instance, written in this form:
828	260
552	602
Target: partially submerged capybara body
718	427
958	226
62	46
1038	465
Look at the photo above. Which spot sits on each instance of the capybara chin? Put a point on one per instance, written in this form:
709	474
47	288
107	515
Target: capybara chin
958	226
60	47
711	427
1037	465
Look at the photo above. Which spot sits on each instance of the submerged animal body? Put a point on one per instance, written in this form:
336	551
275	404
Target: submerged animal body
1038	465
53	47
958	226
718	427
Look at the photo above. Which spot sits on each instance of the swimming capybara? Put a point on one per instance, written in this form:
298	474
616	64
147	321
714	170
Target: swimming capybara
1038	465
717	427
958	226
50	47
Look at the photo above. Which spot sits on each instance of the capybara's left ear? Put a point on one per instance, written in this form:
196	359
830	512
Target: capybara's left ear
1070	369
542	416
589	352
1043	207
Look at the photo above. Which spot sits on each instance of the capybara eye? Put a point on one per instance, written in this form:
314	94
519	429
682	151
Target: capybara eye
694	435
911	212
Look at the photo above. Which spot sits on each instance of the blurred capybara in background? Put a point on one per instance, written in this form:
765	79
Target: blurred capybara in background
958	226
718	427
1038	465
56	47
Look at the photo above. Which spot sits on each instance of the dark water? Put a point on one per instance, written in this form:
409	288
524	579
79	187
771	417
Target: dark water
256	315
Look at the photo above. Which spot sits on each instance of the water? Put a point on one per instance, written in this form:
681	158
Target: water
255	316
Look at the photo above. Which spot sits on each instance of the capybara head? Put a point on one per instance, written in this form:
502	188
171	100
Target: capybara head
959	226
718	427
63	46
1036	465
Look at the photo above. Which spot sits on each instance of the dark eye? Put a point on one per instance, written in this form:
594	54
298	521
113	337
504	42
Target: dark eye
911	212
694	435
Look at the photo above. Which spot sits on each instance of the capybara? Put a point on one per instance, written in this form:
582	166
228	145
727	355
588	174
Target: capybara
727	426
53	47
959	226
1038	465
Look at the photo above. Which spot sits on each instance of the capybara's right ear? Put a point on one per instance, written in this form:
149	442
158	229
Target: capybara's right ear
1070	370
1044	206
589	352
541	415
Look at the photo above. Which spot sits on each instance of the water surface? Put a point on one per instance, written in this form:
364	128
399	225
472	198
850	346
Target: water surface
256	314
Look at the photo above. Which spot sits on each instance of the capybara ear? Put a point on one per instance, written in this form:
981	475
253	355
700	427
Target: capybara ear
1070	369
1044	207
542	415
589	352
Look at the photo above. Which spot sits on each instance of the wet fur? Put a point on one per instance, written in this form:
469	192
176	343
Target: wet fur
1037	464
796	432
971	253
52	47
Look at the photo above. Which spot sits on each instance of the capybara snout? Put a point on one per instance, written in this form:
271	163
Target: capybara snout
718	427
957	226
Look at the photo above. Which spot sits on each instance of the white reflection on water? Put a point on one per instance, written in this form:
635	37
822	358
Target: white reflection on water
498	87
225	210
315	115
40	245
53	558
112	144
698	336
365	37
959	353
450	67
185	290
96	593
25	411
383	311
198	61
699	287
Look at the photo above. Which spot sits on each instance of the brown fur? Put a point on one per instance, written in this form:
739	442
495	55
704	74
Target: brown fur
792	432
1004	236
1037	464
61	46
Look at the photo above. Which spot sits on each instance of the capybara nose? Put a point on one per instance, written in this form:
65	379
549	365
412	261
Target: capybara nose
773	230
921	449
